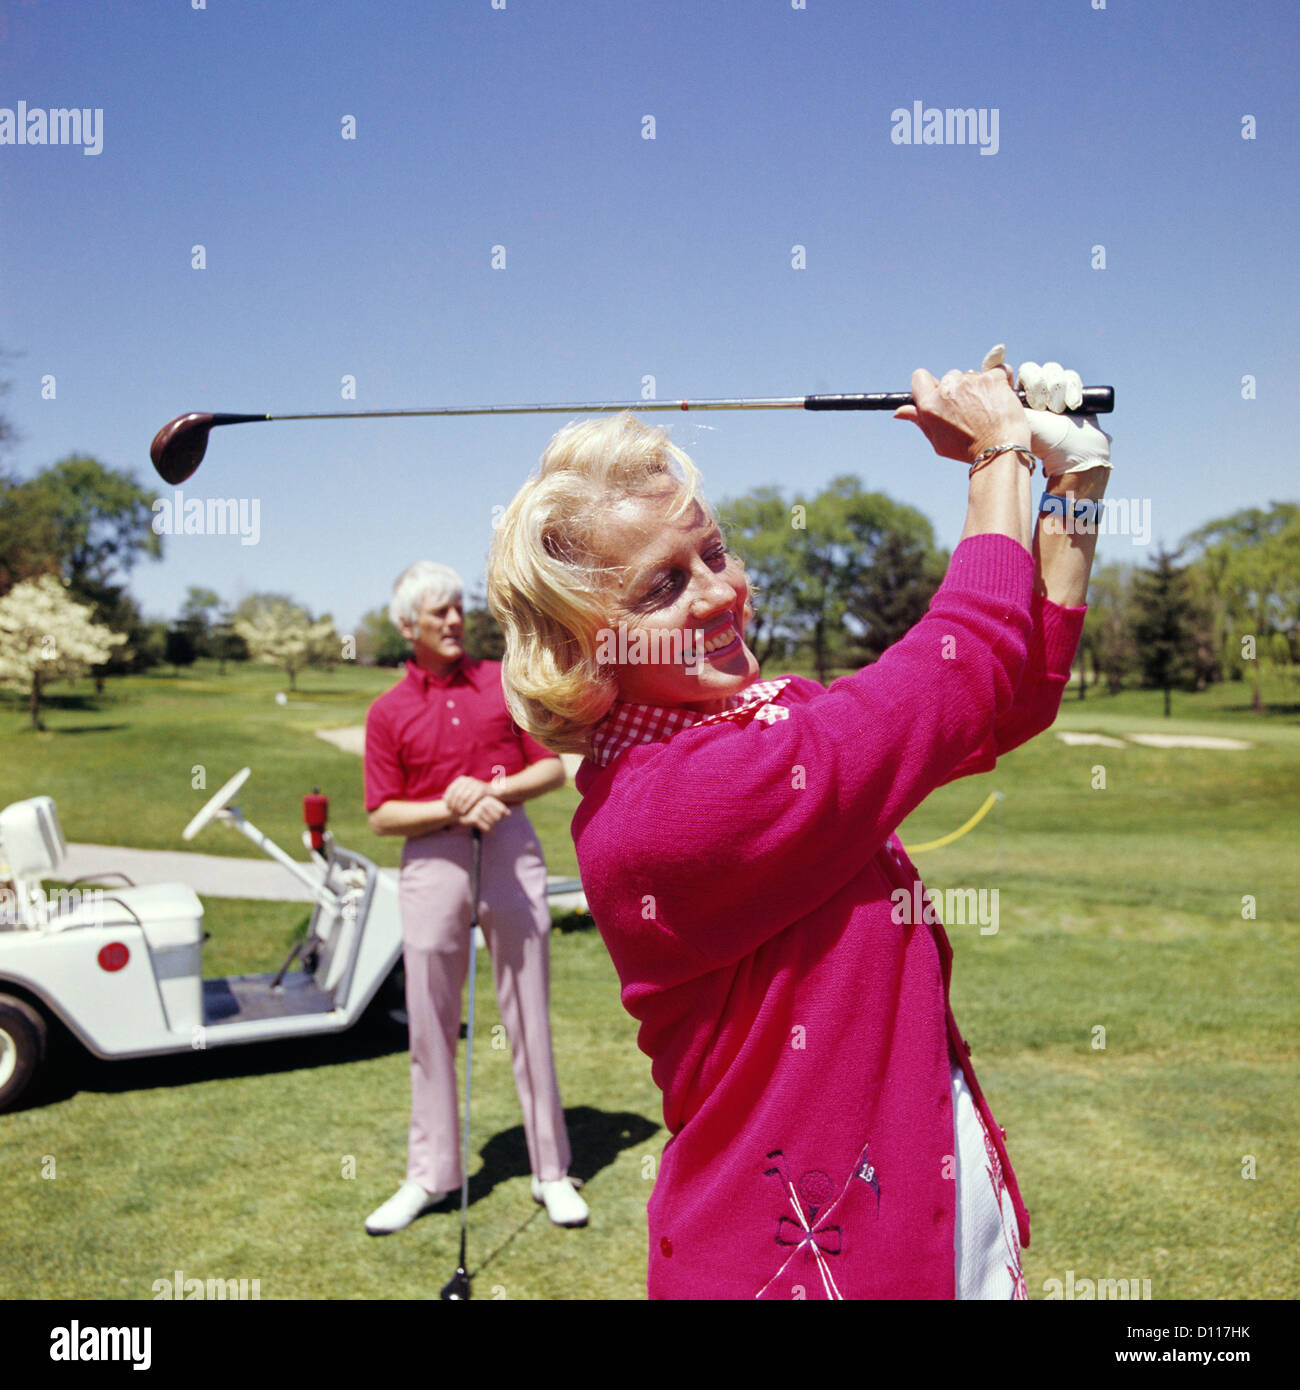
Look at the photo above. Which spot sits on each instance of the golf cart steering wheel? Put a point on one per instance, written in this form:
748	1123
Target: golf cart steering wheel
217	804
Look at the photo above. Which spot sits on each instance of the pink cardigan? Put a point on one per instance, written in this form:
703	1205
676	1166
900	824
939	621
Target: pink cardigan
741	875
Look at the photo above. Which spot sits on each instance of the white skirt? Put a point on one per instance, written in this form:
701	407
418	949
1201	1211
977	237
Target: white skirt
985	1239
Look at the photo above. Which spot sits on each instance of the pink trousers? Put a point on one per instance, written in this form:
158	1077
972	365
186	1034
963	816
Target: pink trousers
435	903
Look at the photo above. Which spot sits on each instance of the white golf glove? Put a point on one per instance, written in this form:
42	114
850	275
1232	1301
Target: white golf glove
1065	443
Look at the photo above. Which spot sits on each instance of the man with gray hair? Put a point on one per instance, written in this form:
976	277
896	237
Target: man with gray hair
443	759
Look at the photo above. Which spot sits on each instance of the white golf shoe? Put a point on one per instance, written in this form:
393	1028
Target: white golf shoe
401	1209
561	1200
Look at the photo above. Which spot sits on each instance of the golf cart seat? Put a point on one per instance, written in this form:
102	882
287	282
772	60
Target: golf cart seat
32	849
168	915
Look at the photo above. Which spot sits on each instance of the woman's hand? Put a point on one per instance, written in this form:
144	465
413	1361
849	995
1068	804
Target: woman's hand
965	413
1065	443
485	813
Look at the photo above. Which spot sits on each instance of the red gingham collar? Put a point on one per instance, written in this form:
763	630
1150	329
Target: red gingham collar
625	726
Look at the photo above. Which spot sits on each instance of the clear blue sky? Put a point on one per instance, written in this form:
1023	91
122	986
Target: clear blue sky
627	257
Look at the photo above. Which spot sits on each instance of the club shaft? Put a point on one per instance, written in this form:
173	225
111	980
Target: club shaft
1097	400
474	879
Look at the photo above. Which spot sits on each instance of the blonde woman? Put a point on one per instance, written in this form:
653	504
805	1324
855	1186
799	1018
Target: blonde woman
737	844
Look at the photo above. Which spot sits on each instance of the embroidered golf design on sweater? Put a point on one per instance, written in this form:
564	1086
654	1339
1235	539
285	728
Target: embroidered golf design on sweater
812	1235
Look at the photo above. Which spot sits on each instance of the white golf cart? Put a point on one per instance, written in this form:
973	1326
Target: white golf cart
121	968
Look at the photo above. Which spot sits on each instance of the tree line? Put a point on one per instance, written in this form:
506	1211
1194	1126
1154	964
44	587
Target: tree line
70	537
843	574
837	576
1224	606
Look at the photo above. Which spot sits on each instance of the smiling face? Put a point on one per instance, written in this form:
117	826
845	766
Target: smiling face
673	577
437	633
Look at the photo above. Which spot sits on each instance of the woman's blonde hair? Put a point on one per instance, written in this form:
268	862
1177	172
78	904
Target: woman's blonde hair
548	579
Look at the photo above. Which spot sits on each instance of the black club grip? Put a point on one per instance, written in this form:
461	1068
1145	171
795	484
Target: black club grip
1097	400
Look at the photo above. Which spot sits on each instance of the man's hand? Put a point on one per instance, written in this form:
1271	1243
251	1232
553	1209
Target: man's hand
464	794
487	812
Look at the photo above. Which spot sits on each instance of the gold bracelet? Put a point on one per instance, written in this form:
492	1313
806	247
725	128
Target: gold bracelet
990	454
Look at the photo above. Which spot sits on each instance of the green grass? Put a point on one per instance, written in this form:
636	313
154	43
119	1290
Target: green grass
263	1163
158	746
1119	909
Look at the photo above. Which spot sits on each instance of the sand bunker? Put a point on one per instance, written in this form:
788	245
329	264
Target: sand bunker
351	740
1186	741
1153	740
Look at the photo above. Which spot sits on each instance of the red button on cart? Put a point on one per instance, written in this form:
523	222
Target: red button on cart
114	956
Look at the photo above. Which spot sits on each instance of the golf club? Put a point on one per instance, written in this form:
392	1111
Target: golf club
178	448
456	1290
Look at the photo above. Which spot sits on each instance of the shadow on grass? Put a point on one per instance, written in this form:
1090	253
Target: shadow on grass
86	702
567	922
597	1138
75	1070
87	729
1270	710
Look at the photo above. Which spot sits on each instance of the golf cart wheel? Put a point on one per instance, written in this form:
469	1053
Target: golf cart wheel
22	1048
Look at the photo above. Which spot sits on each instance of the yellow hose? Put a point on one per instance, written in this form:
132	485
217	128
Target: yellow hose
979	815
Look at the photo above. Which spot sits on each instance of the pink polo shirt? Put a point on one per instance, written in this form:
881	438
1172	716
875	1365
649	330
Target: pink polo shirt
428	730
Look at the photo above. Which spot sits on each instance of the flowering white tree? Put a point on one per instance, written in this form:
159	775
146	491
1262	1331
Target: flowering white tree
282	634
45	636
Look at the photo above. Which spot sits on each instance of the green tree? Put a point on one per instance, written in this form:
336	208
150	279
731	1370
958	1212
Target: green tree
1108	626
484	640
844	573
46	636
227	644
892	571
758	528
143	647
102	522
7	432
149	648
1206	644
180	649
1251	564
379	643
198	616
1164	625
90	524
29	537
281	633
